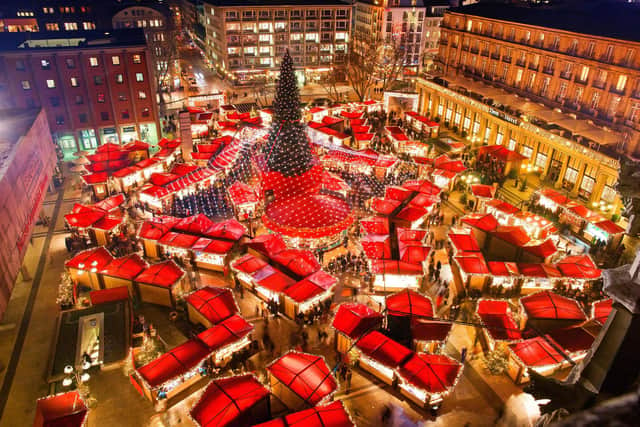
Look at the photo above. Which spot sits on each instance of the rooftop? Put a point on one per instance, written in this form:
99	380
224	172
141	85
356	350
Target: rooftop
272	3
71	39
595	17
14	124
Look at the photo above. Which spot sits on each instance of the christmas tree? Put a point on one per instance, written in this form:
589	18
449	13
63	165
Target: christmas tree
288	151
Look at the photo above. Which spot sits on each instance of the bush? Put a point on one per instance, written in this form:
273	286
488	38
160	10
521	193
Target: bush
615	217
464	198
446	124
513	174
464	134
437	119
455	129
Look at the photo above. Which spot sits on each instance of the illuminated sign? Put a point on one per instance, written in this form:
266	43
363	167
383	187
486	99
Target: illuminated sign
499	114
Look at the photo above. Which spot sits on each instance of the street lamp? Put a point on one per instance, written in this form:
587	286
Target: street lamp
526	170
603	206
469	180
80	377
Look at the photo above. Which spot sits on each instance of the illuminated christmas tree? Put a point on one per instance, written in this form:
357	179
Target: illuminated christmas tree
288	151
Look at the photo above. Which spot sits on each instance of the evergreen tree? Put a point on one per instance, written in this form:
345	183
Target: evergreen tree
288	150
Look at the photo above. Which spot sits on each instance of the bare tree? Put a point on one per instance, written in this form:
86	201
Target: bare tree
390	64
263	93
330	85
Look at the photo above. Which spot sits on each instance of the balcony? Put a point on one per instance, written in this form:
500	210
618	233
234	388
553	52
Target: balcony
506	59
608	59
539	44
599	84
580	81
249	18
548	71
565	75
521	63
485	53
534	67
572	52
475	50
620	92
524	40
495	56
635	94
589	54
444	42
465	48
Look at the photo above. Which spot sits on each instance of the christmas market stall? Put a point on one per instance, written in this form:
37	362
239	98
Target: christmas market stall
301	380
498	324
600	310
427	378
152	230
381	356
429	336
245	266
209	306
84	267
306	294
547	310
540	354
61	410
502	211
470	271
505	160
227	338
421	124
123	271
392	275
244	200
162	283
93	223
482	193
333	414
232	401
351	322
403	308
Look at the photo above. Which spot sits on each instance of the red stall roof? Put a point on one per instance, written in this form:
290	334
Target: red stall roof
376	246
96	258
609	226
212	246
313	285
501	268
300	262
110	203
430	330
173	363
331	415
388	266
103	296
578	271
408	235
229	230
472	263
225	401
414	253
422	186
484	222
161	179
178	240
155	228
268	244
555	196
496	318
543	249
536	352
196	224
107	223
95	178
549	305
464	242
272	279
215	304
126	267
248	264
355	319
482	190
409	303
226	332
384	206
242	193
433	373
383	349
84	219
307	375
375	225
573	339
61	410
538	270
502	206
601	309
164	274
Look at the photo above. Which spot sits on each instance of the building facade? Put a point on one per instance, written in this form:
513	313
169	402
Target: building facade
247	39
94	88
552	57
52	15
26	168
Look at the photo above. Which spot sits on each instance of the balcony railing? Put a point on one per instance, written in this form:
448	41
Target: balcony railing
599	84
521	63
534	67
580	81
613	89
495	56
485	53
475	50
565	75
548	71
506	59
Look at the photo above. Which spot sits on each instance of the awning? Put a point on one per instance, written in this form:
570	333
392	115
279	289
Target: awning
549	305
354	320
464	242
472	263
383	349
155	228
300	262
305	374
376	246
484	222
178	240
272	279
215	304
195	224
433	373
536	352
248	264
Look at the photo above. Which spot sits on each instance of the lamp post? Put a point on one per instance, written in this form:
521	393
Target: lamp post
603	206
80	377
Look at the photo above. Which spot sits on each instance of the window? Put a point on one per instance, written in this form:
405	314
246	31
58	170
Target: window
79	100
104	116
137	59
55	101
74	82
51	84
584	74
101	98
71	26
25	84
45	64
98	80
125	114
88	26
146	112
115	60
93	61
20	65
621	83
59	120
139	77
82	117
119	78
122	97
52	26
71	63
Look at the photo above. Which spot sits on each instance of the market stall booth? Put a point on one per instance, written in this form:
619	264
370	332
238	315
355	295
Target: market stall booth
426	379
536	226
270	284
333	184
429	336
244	200
244	267
381	356
470	271
498	324
540	354
61	410
333	414
306	294
600	310
84	267
152	230
227	338
421	124
504	274
502	211
162	283
301	380
397	136
123	271
209	306
392	275
362	140
482	193
232	401
547	310
351	322
94	223
506	159
402	308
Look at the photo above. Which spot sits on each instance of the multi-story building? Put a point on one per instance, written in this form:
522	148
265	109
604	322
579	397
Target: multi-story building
27	165
564	92
246	39
431	36
52	15
94	87
398	24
